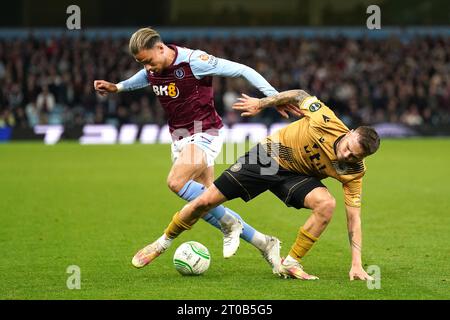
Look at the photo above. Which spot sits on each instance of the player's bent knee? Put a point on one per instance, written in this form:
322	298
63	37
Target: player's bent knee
320	198
329	204
175	185
325	208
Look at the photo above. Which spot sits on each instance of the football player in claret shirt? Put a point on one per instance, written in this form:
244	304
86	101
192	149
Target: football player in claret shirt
291	164
181	78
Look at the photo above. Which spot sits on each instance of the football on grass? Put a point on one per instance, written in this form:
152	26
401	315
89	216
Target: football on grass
191	258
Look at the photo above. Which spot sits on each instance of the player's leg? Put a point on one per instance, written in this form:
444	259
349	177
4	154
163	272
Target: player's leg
221	217
305	192
205	179
191	164
246	179
181	221
249	234
245	184
322	204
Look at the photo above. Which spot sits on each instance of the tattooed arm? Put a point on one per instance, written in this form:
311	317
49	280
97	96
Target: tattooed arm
355	239
287	101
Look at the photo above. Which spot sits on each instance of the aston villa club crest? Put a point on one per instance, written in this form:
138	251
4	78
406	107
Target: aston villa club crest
179	73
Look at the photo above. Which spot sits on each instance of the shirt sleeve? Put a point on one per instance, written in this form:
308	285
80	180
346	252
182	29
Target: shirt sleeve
138	81
203	64
320	116
352	192
316	110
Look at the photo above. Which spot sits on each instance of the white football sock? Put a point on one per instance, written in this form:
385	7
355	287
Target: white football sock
164	241
227	220
289	260
259	240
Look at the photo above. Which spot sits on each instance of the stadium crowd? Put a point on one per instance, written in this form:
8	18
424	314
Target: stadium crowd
366	81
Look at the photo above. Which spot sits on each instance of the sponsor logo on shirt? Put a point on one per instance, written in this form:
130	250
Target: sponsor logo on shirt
170	90
210	59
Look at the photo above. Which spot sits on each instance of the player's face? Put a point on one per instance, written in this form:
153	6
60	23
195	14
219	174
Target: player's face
349	149
152	59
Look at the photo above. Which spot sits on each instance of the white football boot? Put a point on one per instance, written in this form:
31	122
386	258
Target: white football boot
271	253
231	238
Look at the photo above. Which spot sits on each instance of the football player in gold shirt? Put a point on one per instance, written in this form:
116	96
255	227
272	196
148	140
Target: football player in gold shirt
291	164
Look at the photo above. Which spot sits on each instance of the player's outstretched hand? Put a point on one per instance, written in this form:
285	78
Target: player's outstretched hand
104	87
358	273
248	106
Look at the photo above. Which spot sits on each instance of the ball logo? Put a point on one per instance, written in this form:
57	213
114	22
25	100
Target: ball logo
179	73
169	91
191	258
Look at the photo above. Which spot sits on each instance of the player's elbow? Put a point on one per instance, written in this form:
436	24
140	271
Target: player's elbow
247	72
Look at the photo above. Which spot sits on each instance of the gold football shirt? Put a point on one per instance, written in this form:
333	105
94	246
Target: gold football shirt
307	146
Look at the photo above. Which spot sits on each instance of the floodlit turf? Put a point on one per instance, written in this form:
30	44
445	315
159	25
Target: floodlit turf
95	206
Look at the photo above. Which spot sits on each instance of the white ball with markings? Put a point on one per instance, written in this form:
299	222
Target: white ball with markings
191	258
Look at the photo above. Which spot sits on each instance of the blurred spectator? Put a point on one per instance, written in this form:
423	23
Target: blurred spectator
364	81
412	116
45	102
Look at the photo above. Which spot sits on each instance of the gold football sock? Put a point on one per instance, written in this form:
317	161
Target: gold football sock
176	226
302	244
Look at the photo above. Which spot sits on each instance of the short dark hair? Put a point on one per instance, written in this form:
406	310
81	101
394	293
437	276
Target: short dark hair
368	139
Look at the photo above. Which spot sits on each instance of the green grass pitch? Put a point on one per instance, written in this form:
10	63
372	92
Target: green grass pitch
95	206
